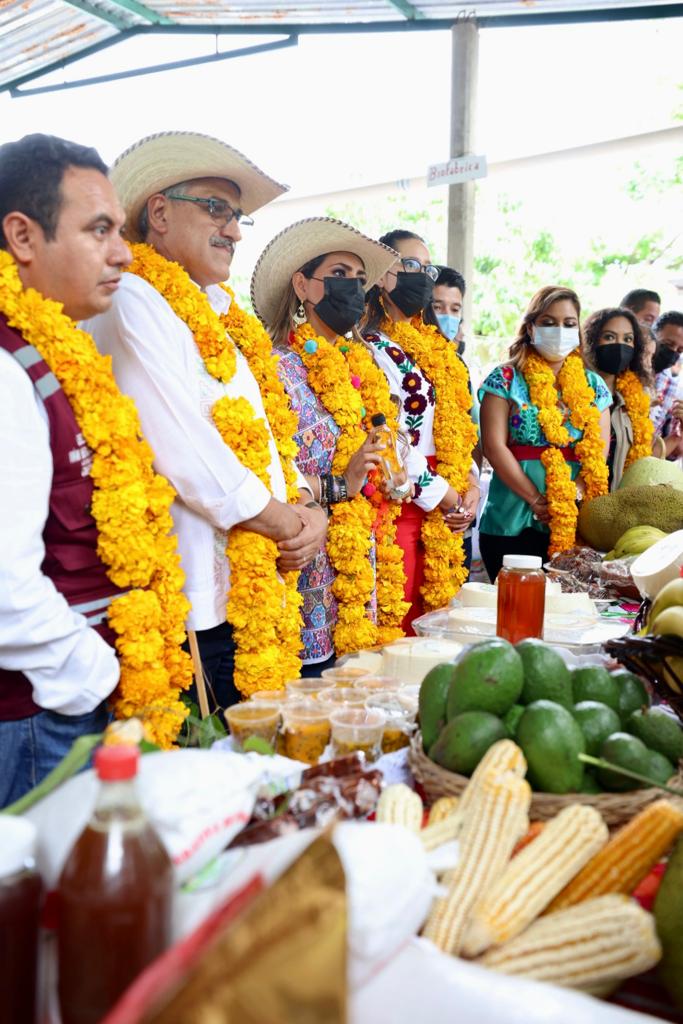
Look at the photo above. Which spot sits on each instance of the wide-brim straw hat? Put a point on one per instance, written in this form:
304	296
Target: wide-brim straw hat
168	158
304	241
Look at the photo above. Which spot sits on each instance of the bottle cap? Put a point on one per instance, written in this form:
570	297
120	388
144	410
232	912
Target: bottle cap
17	844
378	420
522	562
115	764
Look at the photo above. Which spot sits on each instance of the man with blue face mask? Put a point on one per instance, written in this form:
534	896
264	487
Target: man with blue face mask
445	310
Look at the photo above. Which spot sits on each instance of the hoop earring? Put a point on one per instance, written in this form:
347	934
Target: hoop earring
299	315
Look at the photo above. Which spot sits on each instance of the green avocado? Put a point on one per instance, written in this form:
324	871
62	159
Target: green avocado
659	768
596	722
668	911
465	740
488	677
595	683
551	741
632	693
658	731
546	677
590	785
432	702
511	719
626	751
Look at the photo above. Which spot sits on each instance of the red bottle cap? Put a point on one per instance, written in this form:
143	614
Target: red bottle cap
115	764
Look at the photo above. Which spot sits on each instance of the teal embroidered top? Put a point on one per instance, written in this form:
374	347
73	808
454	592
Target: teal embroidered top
506	514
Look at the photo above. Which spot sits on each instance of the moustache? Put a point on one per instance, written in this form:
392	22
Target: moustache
223	243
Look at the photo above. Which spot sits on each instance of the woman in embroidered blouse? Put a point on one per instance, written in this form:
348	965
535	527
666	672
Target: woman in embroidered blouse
400	295
613	344
516	515
316	271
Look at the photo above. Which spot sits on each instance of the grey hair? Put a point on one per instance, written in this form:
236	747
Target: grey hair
143	219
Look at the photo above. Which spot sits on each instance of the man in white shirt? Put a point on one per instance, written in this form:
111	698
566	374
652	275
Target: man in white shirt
185	195
60	222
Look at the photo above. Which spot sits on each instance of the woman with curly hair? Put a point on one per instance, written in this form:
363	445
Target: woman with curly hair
615	347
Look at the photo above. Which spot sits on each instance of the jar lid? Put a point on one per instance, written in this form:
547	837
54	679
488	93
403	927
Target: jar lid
522	562
116	764
17	844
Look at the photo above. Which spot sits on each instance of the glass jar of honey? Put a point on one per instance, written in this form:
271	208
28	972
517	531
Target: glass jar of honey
521	598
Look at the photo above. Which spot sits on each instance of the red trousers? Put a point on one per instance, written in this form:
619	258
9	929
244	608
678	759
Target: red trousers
408	528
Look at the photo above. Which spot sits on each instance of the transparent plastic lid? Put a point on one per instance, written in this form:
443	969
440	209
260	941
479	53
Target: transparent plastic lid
522	562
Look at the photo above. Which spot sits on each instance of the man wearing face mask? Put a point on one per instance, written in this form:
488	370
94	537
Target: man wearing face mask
520	402
185	353
613	345
667	411
408	351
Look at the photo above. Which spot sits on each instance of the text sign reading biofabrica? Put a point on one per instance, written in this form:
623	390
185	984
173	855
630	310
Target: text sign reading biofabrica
460	168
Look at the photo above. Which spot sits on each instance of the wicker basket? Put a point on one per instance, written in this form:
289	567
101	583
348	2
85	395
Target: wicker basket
615	808
647	657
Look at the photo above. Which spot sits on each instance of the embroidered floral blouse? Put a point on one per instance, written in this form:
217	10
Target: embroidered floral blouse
415	394
506	514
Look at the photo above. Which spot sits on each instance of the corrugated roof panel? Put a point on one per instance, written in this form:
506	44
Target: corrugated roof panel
43	39
260	12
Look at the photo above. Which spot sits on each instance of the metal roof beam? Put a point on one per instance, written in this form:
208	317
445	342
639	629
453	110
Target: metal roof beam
406	8
132	6
142	11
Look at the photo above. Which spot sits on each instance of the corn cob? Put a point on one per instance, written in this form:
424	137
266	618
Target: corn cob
443	808
400	805
588	946
532	878
497	816
442	831
628	857
504	756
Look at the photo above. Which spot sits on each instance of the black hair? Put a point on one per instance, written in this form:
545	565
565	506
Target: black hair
638	298
449	278
672	317
593	328
374	310
31	174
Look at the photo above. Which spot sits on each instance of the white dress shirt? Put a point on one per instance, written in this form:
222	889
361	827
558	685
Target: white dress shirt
157	363
71	668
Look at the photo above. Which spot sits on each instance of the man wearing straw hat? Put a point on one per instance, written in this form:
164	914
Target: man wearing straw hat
174	351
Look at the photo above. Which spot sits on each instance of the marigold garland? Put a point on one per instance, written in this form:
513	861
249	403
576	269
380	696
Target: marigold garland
454	439
637	402
331	369
262	607
579	397
130	506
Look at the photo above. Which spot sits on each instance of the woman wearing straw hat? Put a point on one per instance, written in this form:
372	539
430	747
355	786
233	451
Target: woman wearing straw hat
308	288
423	368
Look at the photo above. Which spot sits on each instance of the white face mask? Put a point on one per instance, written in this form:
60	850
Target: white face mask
555	342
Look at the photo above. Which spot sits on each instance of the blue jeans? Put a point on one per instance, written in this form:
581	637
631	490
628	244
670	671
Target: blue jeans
31	747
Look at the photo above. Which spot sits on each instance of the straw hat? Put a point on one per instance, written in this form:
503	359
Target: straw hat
303	241
159	161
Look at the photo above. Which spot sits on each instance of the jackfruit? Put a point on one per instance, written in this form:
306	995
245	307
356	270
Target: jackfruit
604	520
649	470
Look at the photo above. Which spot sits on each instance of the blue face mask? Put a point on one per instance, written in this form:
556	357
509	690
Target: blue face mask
449	324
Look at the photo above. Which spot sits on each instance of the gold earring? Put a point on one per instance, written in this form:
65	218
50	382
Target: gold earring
299	315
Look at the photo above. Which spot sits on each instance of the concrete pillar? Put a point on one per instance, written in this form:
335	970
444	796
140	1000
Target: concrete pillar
464	71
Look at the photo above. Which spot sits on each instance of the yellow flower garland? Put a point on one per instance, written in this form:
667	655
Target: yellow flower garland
130	506
454	439
330	370
262	608
578	395
637	402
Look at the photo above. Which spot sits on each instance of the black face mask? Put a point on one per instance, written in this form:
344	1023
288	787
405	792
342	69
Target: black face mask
412	292
343	303
664	358
614	358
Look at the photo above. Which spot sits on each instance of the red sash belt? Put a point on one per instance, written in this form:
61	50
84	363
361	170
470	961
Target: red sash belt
534	452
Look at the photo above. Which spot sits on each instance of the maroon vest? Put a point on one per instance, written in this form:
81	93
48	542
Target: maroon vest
69	534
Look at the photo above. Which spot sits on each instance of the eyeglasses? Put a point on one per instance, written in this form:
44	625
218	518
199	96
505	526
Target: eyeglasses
413	266
220	211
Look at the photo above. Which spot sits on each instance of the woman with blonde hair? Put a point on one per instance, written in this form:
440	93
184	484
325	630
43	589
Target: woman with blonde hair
308	288
545	431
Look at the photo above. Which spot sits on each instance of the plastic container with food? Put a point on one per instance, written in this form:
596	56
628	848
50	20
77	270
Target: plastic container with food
305	730
344	675
346	696
253	718
400	720
357	729
377	684
271	696
309	687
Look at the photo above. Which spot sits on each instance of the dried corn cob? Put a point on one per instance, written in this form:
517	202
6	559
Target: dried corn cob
442	831
600	941
443	808
532	878
628	857
497	816
400	805
504	756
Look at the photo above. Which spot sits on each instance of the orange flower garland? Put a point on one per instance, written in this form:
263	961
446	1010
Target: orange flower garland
637	402
454	439
578	395
262	608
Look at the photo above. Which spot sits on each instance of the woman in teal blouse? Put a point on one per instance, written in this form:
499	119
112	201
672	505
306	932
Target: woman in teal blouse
515	517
